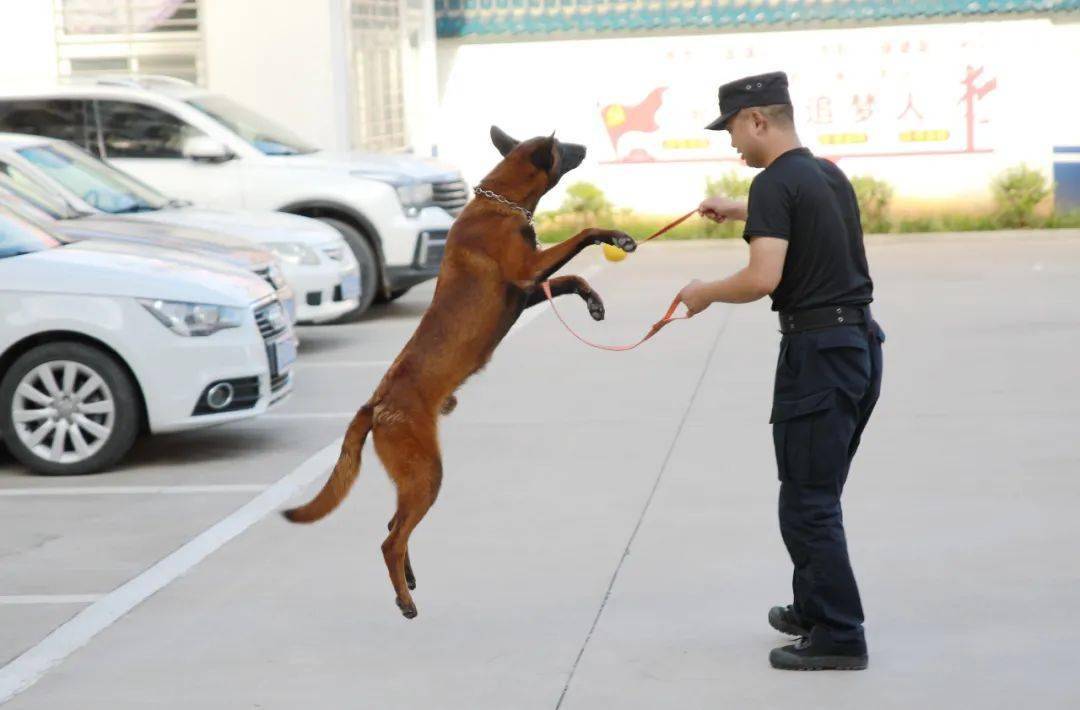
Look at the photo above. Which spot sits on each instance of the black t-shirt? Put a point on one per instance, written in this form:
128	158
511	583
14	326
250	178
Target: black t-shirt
809	202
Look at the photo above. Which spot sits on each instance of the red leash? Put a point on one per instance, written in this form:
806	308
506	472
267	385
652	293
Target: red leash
656	327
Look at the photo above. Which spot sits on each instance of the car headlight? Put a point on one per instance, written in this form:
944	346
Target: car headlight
294	253
412	195
193	318
416	195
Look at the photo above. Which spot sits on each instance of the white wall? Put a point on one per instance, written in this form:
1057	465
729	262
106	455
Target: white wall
27	43
284	59
575	82
1065	118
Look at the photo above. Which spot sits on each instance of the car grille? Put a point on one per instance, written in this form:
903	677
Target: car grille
451	196
269	326
430	249
271	276
278	382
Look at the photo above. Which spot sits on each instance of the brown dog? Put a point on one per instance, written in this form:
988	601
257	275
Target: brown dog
490	273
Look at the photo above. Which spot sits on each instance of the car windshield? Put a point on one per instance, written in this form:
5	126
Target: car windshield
94	182
263	134
20	236
24	209
15	182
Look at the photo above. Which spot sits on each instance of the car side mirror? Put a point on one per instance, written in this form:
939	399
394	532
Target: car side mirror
203	149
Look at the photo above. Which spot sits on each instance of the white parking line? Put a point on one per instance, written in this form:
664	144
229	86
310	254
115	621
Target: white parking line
16	599
28	668
131	490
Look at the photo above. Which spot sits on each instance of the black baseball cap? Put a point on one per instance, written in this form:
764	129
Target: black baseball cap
759	90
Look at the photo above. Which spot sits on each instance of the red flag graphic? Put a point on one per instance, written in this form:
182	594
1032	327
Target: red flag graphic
620	119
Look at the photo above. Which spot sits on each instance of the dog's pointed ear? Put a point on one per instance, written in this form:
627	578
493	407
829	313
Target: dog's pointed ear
503	143
544	155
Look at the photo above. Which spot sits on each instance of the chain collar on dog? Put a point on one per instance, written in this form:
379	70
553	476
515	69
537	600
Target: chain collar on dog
481	192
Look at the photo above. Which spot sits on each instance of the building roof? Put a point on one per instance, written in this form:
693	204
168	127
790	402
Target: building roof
465	18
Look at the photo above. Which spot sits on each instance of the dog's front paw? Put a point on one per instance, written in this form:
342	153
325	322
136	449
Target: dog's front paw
596	306
624	241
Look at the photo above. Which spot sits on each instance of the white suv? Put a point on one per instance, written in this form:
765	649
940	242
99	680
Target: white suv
393	210
102	340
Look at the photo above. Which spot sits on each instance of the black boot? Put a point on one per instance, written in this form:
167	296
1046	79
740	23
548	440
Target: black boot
818	653
786	621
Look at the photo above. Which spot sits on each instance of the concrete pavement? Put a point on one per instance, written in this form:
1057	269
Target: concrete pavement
606	533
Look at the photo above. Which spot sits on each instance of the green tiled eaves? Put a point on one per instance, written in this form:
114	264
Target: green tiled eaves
464	18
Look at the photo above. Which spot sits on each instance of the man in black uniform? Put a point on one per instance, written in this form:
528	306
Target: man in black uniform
806	252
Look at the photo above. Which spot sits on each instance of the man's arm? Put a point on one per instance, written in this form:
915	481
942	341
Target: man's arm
721	209
758	279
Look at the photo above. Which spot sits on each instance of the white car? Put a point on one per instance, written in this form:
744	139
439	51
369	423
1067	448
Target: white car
393	210
316	261
101	340
178	242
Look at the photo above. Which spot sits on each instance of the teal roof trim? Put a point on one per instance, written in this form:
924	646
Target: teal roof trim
464	18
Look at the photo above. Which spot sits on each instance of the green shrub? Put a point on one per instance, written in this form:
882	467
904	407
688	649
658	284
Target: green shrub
1063	219
586	205
919	224
729	185
967	223
873	196
1017	192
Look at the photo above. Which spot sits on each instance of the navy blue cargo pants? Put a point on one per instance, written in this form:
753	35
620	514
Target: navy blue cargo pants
827	382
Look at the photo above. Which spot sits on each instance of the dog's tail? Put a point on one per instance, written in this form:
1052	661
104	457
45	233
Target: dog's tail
345	472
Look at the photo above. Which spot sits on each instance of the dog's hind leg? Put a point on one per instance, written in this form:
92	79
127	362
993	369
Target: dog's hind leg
564	285
410	578
409	451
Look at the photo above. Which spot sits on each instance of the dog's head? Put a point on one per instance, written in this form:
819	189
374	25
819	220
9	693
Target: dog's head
544	157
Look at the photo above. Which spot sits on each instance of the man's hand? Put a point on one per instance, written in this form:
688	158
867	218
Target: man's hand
721	209
696	297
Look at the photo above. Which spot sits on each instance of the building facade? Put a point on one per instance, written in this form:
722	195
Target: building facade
936	98
341	73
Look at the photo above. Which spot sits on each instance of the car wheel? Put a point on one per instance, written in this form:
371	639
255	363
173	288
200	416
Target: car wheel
368	262
395	295
68	409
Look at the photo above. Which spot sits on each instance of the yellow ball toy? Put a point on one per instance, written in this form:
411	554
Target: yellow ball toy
613	253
